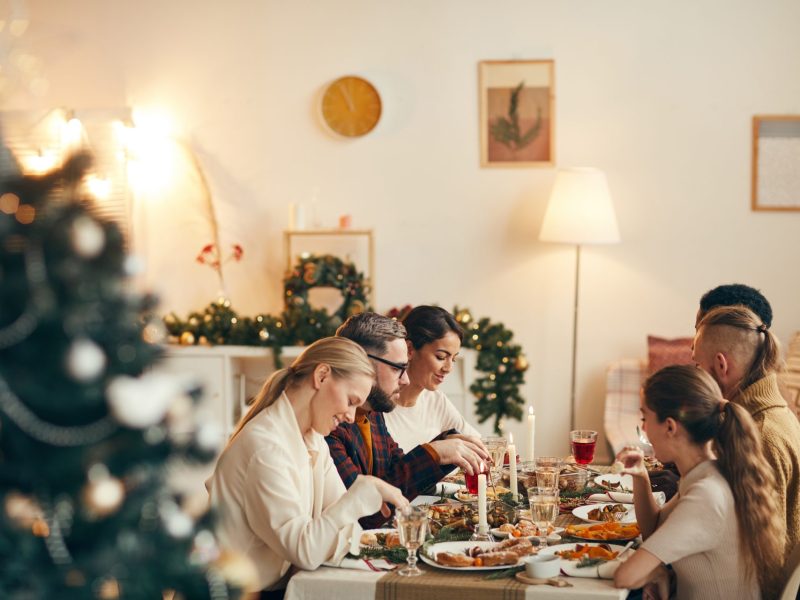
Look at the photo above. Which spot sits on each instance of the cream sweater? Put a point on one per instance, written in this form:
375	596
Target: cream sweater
280	499
433	413
780	433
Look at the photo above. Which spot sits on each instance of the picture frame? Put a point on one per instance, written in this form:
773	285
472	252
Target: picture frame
517	113
776	163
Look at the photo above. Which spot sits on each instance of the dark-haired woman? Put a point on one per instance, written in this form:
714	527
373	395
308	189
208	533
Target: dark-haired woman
423	412
722	532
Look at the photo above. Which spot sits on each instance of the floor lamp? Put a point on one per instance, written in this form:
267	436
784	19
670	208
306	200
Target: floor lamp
579	212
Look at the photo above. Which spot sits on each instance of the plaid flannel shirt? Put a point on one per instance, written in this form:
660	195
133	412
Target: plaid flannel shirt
412	473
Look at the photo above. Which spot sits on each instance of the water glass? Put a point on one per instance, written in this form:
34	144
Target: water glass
496	445
583	442
544	510
412	526
547	471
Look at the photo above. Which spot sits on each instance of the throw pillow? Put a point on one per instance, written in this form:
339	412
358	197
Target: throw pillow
662	352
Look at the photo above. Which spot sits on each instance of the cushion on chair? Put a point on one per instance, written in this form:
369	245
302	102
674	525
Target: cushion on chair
662	352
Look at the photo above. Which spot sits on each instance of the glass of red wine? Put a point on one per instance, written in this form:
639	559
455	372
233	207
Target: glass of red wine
583	442
472	480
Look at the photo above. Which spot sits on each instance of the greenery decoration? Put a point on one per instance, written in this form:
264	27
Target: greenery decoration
502	361
497	392
507	130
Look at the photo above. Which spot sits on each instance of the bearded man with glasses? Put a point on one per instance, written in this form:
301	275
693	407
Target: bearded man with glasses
366	447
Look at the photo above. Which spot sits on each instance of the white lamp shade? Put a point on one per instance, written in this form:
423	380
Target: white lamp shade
580	209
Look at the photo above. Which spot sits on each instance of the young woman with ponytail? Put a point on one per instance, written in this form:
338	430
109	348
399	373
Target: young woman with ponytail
722	532
277	493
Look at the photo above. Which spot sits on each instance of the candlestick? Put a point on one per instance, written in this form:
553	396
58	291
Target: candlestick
531	433
483	526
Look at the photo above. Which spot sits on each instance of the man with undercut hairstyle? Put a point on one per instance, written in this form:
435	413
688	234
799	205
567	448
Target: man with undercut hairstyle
738	349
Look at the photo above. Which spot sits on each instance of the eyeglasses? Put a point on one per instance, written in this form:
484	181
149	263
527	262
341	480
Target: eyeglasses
401	367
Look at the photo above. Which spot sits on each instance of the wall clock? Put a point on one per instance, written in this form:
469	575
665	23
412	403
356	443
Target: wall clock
351	106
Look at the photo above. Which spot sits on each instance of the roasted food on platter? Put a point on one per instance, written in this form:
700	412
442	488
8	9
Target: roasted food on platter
505	553
385	539
604	531
524	528
581	551
456	516
610	512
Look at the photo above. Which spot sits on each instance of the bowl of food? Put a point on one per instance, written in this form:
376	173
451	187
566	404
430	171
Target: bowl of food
573	481
542	567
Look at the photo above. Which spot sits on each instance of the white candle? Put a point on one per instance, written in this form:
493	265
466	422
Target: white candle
531	433
512	468
483	526
297	217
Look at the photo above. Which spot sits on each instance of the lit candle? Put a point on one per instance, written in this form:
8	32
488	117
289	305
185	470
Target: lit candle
531	433
512	467
483	526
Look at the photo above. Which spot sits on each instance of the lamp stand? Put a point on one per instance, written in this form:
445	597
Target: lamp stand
574	338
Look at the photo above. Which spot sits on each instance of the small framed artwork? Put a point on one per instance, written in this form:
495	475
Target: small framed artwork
776	163
517	107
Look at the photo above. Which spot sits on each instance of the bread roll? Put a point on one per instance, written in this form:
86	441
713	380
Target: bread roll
450	559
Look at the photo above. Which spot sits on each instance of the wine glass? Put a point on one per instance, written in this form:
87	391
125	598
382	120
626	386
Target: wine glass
583	442
412	525
548	469
496	445
544	510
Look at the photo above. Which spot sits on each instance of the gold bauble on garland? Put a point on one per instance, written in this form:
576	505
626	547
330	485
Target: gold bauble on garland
187	338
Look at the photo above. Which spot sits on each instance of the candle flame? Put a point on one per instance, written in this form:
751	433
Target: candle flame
530	410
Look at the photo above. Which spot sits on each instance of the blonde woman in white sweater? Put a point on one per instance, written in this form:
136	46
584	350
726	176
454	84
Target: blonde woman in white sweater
277	493
423	412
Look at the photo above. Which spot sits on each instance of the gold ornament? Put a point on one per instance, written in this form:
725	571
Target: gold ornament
521	364
193	321
187	338
203	341
263	335
170	319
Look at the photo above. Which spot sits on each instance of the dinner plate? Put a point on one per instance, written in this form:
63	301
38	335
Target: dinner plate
376	532
570	567
429	557
582	512
464	496
626	480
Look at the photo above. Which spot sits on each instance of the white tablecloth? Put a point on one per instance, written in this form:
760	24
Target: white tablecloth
330	583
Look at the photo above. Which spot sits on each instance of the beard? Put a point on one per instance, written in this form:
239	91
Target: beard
380	401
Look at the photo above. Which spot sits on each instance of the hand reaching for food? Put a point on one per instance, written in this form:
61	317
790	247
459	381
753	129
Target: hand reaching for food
389	494
632	459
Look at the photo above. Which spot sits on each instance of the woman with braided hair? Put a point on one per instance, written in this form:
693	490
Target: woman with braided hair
722	533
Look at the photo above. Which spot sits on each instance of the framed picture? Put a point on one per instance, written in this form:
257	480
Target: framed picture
776	162
517	100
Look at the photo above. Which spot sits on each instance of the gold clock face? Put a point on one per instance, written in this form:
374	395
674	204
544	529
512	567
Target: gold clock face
351	106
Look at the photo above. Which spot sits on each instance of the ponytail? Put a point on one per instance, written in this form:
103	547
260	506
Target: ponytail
741	461
691	397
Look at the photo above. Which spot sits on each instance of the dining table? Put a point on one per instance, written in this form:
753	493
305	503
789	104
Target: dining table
337	583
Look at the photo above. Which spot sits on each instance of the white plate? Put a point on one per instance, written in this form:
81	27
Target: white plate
376	531
456	548
582	512
626	480
570	567
464	496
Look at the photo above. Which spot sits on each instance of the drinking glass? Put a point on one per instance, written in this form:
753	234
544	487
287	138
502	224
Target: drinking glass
496	445
412	525
547	471
583	442
472	480
544	510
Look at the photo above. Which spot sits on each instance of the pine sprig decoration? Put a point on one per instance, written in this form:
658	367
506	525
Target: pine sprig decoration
497	392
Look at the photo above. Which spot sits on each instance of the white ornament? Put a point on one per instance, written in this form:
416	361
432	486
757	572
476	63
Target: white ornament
142	402
209	437
85	360
104	496
88	238
178	524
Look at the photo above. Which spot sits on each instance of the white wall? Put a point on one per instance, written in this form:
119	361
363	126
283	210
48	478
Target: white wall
658	94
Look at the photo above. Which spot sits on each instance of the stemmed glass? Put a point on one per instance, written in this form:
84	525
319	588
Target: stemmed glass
544	510
412	525
496	445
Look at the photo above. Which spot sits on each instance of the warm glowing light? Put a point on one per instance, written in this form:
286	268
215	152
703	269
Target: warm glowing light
72	134
26	214
98	187
42	162
510	438
530	410
9	203
152	151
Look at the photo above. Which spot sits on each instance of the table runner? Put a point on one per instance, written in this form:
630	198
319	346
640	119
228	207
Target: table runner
435	584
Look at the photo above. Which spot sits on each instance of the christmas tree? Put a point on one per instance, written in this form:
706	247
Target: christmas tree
87	431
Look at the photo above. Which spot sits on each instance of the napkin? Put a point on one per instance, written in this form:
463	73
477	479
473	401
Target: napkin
604	570
363	564
447	488
624	498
